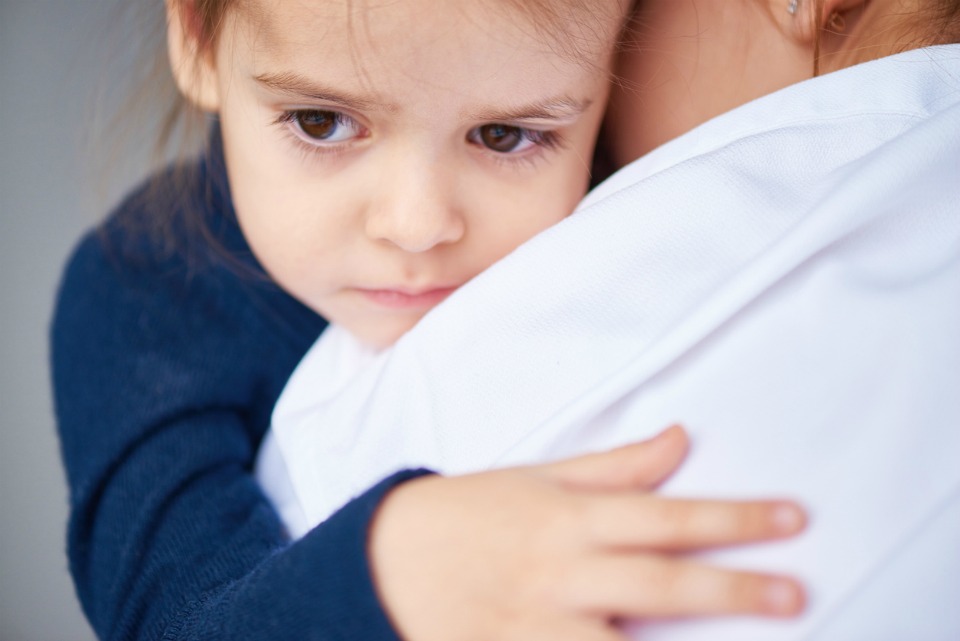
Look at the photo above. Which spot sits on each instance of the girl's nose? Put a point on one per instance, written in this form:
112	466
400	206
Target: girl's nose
415	210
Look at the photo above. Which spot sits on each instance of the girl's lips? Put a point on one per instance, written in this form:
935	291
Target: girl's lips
400	299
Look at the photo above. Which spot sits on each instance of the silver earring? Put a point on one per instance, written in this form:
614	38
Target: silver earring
792	7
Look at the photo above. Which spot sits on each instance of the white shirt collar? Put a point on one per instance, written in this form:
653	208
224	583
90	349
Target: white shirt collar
887	85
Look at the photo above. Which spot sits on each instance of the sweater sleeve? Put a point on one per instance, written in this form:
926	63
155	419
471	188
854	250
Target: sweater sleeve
163	383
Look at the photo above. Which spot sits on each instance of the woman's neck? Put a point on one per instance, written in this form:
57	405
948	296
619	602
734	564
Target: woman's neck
687	61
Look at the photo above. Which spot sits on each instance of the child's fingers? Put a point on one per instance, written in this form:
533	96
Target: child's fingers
652	586
637	466
649	521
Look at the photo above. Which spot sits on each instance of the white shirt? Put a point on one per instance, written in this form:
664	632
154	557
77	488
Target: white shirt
784	280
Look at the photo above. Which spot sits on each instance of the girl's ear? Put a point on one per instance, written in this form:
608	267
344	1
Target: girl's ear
805	19
191	60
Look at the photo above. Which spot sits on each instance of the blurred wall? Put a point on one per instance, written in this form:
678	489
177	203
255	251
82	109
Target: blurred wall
51	65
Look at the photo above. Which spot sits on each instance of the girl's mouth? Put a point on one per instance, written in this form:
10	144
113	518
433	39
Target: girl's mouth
407	299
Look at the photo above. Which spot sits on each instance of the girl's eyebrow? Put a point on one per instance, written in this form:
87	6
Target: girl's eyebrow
558	108
300	87
295	85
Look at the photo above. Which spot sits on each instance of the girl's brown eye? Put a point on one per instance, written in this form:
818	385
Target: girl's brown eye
501	138
320	125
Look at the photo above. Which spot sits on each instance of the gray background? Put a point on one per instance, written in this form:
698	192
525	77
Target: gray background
60	64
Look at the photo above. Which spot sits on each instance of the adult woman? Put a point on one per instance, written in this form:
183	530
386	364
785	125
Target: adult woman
760	277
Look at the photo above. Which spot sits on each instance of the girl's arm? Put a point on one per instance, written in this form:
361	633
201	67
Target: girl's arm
165	373
564	551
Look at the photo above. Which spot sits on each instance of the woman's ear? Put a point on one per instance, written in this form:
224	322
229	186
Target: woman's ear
805	19
191	60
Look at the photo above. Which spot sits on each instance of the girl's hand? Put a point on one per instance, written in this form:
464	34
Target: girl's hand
561	551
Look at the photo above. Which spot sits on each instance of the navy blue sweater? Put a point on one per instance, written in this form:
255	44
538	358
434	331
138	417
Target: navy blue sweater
167	360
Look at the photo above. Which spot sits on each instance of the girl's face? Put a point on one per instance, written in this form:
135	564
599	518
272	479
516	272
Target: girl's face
380	157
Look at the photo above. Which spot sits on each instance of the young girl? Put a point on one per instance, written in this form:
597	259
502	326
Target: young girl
373	158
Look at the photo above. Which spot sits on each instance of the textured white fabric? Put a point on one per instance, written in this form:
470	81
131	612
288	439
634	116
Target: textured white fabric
783	280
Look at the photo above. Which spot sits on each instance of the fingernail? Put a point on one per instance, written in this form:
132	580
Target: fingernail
782	597
673	433
787	518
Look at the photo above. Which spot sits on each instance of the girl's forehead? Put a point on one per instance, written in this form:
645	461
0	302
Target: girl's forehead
410	52
575	29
